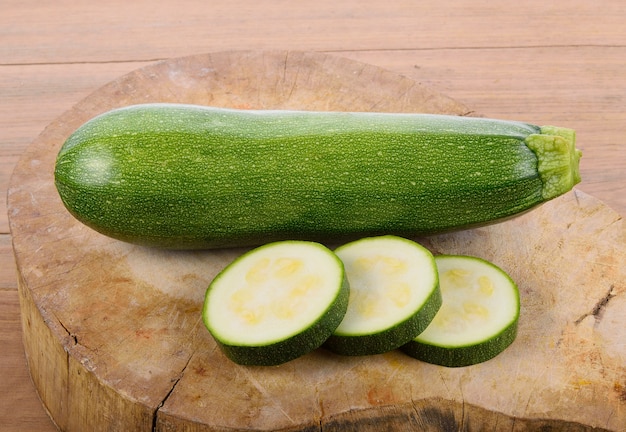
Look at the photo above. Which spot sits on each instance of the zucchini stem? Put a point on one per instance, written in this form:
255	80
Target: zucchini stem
557	159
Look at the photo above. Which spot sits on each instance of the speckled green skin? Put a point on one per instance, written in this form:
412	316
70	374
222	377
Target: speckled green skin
181	176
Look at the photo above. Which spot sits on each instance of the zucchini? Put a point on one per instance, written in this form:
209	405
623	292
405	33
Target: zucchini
276	303
394	295
184	176
478	317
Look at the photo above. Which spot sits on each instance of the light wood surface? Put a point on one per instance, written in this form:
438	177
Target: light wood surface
544	62
113	331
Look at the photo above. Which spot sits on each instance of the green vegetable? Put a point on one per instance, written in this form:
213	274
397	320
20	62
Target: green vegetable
478	317
181	176
276	303
394	295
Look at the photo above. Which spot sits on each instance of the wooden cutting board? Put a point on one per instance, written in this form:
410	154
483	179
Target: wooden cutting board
113	332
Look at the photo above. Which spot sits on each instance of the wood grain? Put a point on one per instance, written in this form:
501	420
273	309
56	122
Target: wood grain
120	324
134	31
19	395
500	58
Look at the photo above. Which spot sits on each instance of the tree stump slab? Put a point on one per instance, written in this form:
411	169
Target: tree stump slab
113	332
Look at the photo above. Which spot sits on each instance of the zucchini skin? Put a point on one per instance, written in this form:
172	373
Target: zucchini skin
400	335
194	177
462	356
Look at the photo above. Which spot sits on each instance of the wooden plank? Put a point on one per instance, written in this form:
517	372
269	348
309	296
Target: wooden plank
7	163
20	406
20	409
140	30
52	55
32	96
8	276
119	322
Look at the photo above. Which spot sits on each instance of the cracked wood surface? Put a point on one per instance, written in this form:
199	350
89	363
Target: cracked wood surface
546	62
119	324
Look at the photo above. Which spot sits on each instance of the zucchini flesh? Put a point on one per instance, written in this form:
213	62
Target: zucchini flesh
478	317
185	177
394	294
276	303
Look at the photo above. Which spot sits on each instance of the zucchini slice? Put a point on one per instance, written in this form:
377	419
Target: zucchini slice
478	318
276	302
394	294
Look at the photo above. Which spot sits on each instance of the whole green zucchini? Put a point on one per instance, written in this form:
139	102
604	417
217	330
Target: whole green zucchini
186	176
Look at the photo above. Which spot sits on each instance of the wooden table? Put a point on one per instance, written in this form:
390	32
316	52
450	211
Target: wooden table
544	62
